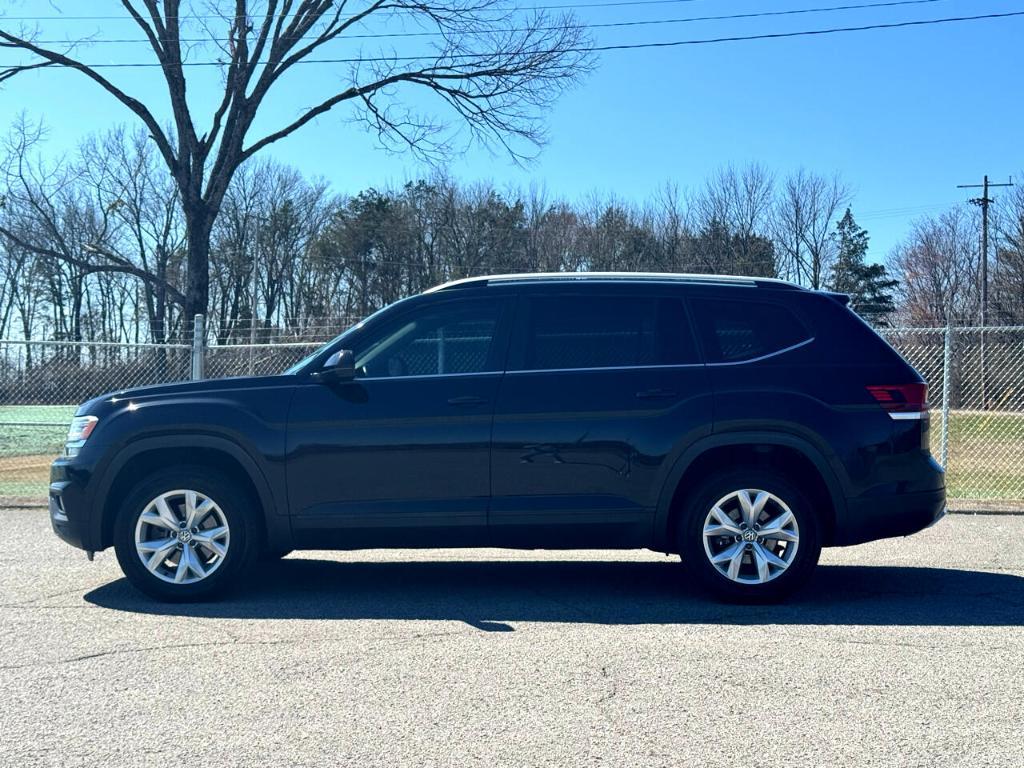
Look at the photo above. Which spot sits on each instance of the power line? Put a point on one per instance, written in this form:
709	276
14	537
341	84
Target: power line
905	212
601	48
606	25
807	33
906	209
231	17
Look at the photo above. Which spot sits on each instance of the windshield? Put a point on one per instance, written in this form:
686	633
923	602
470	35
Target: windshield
313	355
308	358
336	340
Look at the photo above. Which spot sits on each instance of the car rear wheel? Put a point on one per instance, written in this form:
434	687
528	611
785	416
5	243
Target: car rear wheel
749	536
185	534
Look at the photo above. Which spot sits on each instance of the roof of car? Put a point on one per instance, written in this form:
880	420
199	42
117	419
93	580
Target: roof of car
626	277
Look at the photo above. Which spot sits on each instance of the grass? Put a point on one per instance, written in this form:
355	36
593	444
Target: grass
986	455
30	437
986	452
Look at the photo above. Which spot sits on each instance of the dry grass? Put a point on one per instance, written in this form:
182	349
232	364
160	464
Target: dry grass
24	479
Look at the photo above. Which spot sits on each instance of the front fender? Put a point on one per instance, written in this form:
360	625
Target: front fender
271	496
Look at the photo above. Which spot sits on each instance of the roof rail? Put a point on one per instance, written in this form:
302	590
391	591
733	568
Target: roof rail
658	277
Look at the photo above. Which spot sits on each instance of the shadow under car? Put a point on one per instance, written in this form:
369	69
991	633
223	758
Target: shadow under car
488	594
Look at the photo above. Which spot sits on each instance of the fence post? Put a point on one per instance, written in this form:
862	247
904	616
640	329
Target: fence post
198	346
947	356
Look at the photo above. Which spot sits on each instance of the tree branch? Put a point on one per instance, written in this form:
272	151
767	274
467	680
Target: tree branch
488	90
136	106
153	37
9	72
120	265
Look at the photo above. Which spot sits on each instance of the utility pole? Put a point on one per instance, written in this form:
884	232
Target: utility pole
984	202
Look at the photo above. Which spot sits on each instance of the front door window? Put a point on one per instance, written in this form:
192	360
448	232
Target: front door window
452	338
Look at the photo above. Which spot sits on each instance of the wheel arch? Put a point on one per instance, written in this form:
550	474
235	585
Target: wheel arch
218	453
790	453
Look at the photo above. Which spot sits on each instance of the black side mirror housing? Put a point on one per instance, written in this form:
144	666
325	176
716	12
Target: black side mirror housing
340	366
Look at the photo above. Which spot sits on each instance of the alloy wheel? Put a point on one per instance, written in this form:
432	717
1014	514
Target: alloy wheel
751	536
182	537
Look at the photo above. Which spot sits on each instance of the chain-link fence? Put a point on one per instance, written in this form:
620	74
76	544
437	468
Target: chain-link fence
976	388
254	359
975	376
41	382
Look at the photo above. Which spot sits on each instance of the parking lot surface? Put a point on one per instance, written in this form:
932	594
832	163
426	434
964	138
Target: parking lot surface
902	653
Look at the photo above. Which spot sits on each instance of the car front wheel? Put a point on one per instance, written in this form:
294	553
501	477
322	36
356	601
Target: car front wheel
749	536
185	534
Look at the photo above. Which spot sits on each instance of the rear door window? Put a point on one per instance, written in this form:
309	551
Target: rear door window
572	332
736	331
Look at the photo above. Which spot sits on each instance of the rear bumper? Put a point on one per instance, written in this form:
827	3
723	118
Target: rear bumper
883	517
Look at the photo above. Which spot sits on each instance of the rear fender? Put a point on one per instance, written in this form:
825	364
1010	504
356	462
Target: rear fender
829	473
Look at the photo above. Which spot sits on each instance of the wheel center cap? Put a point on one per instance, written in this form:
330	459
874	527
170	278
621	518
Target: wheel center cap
750	535
184	535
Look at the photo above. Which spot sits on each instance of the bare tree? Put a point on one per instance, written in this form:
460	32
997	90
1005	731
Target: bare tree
553	233
146	228
732	218
938	270
47	217
741	199
496	70
295	212
24	299
807	209
1008	273
673	226
50	213
612	237
10	266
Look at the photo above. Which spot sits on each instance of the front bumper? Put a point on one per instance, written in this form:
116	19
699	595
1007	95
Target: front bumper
69	507
882	517
62	524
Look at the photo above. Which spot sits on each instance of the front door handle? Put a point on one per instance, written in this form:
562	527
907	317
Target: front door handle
467	400
656	394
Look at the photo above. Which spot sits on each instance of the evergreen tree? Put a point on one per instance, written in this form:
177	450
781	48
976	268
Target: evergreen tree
870	287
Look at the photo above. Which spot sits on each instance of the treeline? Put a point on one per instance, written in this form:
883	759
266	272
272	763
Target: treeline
92	245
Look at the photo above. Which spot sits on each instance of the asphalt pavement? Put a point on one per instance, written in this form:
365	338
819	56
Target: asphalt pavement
908	652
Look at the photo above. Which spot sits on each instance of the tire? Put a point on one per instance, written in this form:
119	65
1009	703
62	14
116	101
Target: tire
224	557
745	571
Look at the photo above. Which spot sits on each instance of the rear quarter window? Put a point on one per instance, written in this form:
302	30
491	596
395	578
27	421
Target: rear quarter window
734	331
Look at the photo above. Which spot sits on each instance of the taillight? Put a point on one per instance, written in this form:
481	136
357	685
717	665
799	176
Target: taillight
902	401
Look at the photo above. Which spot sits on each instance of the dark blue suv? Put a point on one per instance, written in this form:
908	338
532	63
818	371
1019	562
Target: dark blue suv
740	423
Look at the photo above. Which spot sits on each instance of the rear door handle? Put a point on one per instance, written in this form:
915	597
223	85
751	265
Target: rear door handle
656	394
466	400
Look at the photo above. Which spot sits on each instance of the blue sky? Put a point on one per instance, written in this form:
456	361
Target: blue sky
903	115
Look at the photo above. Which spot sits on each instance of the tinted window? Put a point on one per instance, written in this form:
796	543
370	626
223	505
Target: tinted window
733	331
606	331
449	338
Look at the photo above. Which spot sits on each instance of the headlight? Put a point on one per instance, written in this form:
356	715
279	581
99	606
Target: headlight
81	427
79	431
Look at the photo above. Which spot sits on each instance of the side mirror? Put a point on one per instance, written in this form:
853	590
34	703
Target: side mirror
340	366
